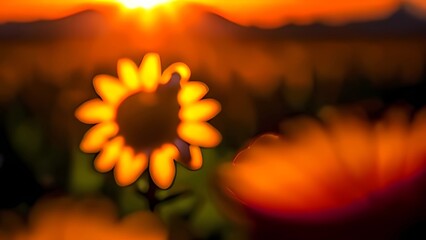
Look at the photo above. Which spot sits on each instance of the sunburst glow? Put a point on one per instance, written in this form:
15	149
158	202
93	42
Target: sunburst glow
146	4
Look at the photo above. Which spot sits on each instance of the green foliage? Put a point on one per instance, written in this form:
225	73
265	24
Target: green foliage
83	177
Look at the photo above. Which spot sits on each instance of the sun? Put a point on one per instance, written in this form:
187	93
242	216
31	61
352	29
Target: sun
148	119
146	4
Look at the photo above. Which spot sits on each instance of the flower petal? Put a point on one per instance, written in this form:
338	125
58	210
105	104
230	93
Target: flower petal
199	134
192	92
391	138
200	111
109	88
180	68
94	111
150	72
128	73
109	155
353	140
196	158
97	136
162	167
129	167
417	144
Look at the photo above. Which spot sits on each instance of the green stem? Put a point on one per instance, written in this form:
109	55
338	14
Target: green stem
151	195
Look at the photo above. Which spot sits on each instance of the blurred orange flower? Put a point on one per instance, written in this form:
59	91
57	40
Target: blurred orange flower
327	169
67	219
148	116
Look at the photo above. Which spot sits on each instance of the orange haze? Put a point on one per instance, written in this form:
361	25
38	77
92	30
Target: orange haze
266	13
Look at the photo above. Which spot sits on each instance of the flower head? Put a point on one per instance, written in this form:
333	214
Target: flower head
96	218
148	118
330	168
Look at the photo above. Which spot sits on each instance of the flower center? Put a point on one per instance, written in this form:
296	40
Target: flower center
148	120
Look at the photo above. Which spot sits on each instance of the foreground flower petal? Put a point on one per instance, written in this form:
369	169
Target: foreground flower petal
320	170
91	219
355	145
417	145
391	148
142	225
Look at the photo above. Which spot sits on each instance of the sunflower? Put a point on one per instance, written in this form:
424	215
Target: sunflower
148	119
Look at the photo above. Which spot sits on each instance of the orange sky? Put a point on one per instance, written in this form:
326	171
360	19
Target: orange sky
268	13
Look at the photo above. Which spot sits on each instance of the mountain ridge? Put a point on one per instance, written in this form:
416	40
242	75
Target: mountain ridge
90	23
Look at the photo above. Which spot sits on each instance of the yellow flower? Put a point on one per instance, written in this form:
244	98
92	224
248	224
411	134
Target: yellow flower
147	118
